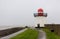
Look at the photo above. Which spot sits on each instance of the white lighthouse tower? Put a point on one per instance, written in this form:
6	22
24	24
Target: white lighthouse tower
40	18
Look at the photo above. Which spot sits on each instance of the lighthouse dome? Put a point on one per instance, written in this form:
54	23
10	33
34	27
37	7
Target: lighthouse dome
40	10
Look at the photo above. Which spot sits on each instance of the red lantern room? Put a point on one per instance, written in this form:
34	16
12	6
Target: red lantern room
40	13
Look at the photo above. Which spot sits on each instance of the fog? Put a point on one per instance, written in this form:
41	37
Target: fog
20	12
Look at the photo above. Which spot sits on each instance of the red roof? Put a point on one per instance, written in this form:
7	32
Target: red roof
40	10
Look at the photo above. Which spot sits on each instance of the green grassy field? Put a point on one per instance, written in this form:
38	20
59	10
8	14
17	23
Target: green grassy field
28	34
51	35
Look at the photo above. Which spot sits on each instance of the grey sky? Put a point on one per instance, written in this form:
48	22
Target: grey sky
20	12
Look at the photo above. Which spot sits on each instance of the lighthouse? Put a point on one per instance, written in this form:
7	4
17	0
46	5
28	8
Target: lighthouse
40	18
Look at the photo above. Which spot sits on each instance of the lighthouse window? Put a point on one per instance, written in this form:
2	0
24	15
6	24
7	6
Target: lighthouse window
40	14
45	14
35	14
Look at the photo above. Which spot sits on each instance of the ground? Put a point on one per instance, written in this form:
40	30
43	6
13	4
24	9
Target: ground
35	34
28	34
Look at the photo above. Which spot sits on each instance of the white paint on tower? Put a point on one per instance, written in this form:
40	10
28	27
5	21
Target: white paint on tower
40	20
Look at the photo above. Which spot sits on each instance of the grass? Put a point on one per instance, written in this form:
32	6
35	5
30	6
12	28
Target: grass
51	35
28	34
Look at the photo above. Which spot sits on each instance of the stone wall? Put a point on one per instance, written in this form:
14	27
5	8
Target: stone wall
9	31
55	27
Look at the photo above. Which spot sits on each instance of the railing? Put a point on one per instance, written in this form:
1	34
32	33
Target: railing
40	14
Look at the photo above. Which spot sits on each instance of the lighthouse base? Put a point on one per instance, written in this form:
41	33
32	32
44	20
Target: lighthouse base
38	26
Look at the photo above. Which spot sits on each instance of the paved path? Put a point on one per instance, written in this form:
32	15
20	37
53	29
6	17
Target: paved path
14	34
42	35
